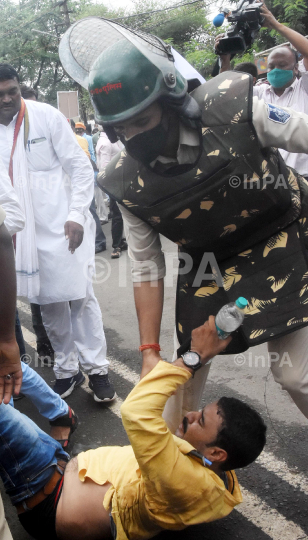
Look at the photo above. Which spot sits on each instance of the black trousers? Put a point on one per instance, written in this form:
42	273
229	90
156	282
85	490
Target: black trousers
37	323
116	224
19	336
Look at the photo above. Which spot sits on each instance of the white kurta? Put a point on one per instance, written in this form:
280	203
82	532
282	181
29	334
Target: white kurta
15	219
61	178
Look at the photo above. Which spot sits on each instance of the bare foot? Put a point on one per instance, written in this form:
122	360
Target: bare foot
60	433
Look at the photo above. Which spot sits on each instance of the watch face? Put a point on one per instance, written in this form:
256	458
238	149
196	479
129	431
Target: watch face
191	359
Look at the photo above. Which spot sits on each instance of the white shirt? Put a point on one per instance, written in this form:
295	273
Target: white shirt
15	219
6	141
61	180
144	246
106	150
295	97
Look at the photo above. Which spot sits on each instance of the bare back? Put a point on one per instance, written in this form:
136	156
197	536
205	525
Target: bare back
80	511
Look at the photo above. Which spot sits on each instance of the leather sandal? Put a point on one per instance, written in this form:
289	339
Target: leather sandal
116	253
68	420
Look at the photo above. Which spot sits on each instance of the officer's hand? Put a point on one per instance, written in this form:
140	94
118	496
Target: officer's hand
74	233
269	19
205	341
9	366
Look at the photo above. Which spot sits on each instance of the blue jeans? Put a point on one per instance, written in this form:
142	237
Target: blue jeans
100	238
48	403
28	456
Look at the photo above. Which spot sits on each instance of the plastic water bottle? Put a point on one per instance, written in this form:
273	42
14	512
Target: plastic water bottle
230	317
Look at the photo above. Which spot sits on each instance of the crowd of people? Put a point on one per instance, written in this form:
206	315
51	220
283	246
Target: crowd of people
161	160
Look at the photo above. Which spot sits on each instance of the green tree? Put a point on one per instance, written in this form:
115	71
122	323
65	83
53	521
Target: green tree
29	37
293	13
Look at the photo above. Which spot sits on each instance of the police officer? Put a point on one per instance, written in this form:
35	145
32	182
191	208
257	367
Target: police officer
198	168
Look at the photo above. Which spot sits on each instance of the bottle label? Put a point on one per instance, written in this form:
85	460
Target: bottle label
221	333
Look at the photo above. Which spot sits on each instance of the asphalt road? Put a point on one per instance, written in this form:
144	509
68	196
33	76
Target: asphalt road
275	487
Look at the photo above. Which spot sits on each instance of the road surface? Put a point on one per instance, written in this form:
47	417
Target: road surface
275	488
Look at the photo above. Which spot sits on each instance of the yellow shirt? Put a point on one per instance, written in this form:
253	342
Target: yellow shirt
155	484
83	143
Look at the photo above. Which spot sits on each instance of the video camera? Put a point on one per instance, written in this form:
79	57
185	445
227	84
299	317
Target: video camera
247	21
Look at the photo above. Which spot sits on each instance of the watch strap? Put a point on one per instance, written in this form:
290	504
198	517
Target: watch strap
195	367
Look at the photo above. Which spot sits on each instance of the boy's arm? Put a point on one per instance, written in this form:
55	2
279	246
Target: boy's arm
158	456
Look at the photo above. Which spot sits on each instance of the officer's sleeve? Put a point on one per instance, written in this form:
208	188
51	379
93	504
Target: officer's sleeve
144	248
280	127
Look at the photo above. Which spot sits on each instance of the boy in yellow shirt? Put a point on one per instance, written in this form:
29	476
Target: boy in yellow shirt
162	481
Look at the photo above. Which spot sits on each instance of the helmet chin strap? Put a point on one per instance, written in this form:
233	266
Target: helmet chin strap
188	111
111	134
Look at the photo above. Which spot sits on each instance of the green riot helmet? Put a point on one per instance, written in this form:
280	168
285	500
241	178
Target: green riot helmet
125	70
123	82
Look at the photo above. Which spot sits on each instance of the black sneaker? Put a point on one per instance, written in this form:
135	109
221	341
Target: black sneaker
123	245
45	353
64	387
102	388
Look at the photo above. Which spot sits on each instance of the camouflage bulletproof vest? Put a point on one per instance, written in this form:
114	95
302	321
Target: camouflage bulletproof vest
240	203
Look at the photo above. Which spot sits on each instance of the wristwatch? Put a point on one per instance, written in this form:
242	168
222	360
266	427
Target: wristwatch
191	359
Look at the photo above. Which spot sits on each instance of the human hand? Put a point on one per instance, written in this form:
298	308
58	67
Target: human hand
205	341
150	358
269	19
9	365
74	233
225	56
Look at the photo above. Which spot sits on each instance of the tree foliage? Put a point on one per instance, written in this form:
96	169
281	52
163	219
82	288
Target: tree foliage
30	32
29	35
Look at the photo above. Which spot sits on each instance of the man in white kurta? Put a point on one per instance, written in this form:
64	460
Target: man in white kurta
61	190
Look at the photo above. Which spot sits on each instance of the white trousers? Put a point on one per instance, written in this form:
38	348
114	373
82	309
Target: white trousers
76	333
4	528
289	365
101	207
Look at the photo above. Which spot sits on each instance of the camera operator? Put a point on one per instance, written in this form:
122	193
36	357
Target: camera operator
286	88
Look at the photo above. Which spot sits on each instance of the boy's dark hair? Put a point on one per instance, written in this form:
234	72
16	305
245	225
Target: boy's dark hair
247	67
242	435
28	92
7	72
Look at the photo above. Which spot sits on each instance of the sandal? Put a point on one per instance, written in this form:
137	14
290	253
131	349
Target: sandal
68	420
116	253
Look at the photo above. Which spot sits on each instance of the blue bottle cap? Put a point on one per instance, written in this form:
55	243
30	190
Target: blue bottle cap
241	302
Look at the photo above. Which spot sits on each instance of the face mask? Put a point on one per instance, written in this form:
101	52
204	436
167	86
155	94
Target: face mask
279	77
147	146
